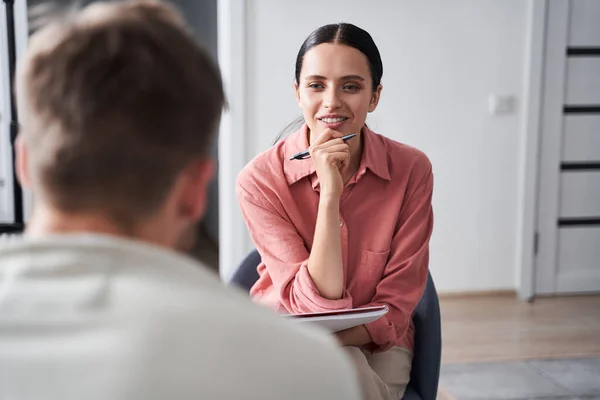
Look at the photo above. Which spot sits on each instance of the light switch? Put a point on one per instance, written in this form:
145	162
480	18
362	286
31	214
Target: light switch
501	104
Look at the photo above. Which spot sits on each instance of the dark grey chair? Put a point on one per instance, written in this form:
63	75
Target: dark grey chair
425	372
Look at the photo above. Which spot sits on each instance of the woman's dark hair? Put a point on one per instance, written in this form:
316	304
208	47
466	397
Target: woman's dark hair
346	34
349	35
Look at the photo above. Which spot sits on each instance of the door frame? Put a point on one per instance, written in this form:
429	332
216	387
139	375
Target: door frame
234	240
530	149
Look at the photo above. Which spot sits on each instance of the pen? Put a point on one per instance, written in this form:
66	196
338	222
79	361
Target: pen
305	154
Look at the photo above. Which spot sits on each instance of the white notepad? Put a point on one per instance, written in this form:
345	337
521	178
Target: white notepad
338	320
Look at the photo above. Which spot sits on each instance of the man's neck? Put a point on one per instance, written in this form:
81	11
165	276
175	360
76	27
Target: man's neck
46	221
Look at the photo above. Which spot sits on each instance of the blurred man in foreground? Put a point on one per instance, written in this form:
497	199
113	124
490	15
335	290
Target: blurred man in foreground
119	106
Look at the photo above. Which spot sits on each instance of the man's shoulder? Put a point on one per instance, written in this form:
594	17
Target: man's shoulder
179	325
262	352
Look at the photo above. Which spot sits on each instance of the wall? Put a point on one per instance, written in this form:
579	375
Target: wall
202	17
441	62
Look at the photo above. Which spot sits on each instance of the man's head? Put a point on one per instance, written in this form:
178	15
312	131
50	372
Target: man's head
119	106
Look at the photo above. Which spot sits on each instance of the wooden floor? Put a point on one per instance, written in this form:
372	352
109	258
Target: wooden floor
501	327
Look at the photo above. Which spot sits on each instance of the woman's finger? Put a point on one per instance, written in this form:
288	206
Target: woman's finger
332	147
326	136
339	158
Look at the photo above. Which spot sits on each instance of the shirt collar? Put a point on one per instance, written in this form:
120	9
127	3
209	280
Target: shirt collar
374	157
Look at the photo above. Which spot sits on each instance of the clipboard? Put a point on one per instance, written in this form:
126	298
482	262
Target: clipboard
339	320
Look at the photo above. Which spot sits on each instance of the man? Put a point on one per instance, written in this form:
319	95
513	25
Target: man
119	106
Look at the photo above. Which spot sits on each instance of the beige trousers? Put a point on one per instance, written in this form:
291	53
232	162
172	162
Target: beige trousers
382	376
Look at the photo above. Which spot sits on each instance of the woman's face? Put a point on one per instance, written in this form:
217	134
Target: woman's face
334	90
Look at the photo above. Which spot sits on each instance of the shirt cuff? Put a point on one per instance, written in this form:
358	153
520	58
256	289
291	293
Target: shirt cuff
383	334
308	296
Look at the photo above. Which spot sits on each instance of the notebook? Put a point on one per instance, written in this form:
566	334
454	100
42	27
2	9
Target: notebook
338	320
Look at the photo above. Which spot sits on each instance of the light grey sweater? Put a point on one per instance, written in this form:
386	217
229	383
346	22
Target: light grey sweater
97	317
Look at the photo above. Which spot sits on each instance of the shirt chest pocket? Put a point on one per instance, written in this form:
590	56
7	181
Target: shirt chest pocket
372	264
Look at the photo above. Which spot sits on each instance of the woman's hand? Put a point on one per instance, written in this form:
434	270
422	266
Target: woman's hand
330	155
357	336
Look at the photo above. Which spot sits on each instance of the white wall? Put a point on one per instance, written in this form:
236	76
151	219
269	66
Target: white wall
441	61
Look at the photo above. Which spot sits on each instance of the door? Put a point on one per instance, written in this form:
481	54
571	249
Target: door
568	226
12	215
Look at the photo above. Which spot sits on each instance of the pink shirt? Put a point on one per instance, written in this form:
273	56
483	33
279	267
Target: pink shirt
386	222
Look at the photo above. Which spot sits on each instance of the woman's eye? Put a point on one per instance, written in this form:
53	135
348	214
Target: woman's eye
351	87
316	86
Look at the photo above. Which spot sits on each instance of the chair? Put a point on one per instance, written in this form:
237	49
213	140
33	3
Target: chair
425	371
246	274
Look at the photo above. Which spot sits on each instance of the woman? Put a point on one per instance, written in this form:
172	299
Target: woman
349	226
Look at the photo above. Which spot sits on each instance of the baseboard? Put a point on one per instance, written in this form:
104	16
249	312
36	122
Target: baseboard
479	293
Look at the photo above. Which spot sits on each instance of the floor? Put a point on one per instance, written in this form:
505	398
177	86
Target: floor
477	329
497	347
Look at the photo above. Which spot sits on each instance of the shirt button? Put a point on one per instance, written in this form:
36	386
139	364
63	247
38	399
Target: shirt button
341	223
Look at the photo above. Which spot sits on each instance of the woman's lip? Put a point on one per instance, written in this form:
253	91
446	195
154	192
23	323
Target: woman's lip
333	125
332	116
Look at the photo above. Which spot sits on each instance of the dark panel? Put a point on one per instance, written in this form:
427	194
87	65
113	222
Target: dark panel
580	166
588	221
583	51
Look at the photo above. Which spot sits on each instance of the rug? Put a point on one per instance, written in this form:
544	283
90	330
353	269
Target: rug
554	379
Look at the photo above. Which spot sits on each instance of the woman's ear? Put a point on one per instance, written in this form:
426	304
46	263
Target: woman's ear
375	98
297	90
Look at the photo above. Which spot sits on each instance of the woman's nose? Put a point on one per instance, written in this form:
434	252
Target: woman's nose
332	100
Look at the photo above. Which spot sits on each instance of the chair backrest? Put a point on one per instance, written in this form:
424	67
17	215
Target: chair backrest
425	370
427	357
246	274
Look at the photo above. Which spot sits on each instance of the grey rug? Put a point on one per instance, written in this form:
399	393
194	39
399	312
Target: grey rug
556	379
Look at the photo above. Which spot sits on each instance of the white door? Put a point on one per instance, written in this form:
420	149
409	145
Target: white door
568	241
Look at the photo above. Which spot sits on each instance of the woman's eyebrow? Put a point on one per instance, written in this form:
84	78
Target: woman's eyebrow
353	77
315	77
346	77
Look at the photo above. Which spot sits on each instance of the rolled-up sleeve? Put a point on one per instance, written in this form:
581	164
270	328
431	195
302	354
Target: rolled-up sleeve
405	275
283	252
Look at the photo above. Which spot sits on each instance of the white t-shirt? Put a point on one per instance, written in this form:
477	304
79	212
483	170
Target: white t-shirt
97	317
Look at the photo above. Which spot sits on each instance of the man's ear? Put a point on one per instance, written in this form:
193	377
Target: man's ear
375	98
198	176
21	162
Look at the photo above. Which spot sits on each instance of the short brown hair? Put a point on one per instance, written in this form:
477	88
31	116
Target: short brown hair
115	100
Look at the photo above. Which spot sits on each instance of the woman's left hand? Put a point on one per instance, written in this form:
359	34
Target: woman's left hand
357	336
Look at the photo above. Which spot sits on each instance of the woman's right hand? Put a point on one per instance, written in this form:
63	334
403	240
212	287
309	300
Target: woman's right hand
330	155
